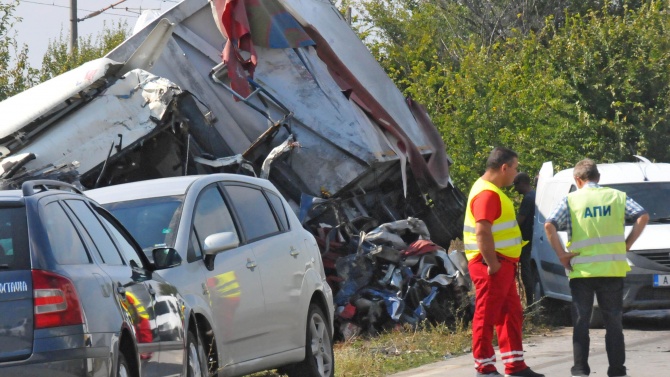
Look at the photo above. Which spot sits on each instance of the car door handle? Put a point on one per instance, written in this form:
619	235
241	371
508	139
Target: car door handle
294	252
251	264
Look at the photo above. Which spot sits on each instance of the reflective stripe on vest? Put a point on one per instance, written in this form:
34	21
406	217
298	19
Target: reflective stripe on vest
506	233
498	244
597	215
598	258
502	226
596	241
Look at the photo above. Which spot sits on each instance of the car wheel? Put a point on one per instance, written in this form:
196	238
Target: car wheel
196	364
319	358
122	370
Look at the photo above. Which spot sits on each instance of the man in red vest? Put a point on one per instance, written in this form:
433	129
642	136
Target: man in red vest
492	241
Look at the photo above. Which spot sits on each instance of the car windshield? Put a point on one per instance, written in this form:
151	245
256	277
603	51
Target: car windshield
652	196
151	221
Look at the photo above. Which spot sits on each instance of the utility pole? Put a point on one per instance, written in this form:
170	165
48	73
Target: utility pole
74	20
73	26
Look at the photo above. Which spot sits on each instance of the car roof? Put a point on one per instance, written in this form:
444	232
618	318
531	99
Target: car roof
153	188
626	172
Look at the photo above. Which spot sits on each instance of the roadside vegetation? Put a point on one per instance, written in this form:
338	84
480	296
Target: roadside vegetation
556	80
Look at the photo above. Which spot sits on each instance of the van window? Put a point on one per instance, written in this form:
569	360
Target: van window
66	246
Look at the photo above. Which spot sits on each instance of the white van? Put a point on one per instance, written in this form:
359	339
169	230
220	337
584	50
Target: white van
647	285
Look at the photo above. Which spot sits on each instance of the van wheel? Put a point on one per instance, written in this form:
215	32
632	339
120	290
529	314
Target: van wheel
122	370
196	364
319	357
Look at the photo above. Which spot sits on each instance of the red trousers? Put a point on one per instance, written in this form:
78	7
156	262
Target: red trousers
497	304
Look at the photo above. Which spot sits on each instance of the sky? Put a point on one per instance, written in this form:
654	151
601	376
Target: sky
43	20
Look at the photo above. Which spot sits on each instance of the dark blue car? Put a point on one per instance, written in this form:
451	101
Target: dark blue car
79	298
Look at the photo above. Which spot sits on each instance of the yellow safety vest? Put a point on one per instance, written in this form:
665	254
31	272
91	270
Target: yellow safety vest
506	232
597	215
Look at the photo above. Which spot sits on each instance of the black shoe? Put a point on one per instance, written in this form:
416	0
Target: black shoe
494	373
525	373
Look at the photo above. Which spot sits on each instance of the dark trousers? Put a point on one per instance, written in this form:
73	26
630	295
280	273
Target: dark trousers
526	273
609	292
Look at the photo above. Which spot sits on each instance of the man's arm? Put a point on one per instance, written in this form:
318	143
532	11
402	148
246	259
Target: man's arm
555	242
486	245
638	227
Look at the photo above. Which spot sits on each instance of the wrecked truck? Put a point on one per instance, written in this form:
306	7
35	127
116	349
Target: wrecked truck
281	89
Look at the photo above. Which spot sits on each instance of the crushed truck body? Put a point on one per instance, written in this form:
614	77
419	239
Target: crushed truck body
297	99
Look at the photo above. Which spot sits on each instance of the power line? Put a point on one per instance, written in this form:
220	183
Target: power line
127	9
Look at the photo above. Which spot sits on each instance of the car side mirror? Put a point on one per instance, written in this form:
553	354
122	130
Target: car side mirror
216	243
165	257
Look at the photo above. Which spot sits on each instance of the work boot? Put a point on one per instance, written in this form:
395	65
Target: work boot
525	373
494	373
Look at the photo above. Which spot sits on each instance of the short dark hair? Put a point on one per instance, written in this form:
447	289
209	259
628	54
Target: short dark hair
500	156
522	178
586	170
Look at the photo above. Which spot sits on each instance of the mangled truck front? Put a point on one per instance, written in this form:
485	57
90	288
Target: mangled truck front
297	98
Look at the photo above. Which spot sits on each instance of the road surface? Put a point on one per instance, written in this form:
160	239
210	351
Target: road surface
647	352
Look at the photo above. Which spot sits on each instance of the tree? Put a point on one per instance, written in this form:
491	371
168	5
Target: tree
16	75
593	85
58	60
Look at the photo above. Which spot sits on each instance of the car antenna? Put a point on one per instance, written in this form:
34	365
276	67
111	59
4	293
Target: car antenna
643	170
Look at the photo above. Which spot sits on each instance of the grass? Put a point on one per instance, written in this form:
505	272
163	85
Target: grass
408	347
405	347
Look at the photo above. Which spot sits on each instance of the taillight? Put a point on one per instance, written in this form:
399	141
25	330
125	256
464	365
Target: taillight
55	300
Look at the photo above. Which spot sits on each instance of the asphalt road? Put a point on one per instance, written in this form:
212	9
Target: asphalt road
647	352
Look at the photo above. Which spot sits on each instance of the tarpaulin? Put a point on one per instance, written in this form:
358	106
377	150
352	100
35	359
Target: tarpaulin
246	23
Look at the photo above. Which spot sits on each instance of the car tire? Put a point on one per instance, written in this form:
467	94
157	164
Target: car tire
196	364
319	357
122	369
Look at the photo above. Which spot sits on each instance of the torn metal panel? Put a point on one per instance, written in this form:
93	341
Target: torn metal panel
26	113
129	109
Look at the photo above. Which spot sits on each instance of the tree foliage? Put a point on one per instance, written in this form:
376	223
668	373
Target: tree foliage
58	60
16	75
593	85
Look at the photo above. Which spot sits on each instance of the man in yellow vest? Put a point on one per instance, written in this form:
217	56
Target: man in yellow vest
594	217
492	241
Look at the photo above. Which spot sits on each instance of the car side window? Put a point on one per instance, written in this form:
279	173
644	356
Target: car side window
128	250
98	234
66	245
254	211
279	209
211	216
